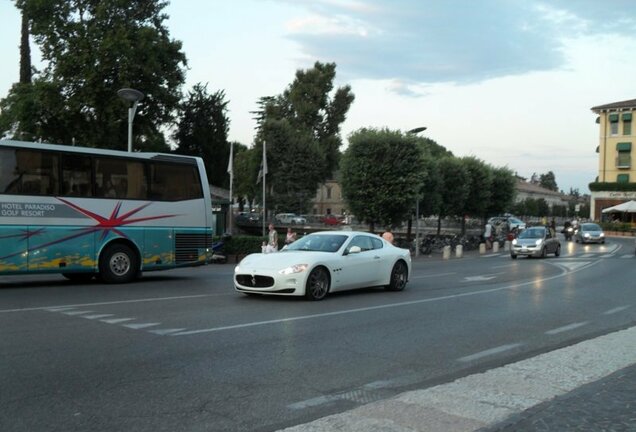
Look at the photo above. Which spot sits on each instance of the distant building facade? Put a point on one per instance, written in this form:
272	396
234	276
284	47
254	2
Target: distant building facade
329	199
527	190
615	162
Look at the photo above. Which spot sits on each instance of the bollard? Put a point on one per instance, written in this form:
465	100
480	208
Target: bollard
459	251
507	245
495	247
446	252
482	248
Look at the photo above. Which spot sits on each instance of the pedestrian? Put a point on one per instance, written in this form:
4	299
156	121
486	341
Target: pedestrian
272	244
290	237
488	235
388	236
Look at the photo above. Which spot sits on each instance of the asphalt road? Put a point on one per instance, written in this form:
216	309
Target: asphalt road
181	351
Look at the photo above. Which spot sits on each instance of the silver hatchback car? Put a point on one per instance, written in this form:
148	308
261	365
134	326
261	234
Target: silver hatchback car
590	233
537	241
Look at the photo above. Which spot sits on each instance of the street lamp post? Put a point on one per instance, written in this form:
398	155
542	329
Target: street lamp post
417	201
133	96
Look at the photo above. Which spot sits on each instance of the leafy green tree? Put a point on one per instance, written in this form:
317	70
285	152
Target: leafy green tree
548	181
301	129
381	172
479	189
92	48
202	131
454	188
543	209
503	191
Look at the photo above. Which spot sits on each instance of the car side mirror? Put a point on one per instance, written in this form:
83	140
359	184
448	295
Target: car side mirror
354	250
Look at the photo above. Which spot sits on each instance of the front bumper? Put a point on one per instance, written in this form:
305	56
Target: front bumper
274	284
521	250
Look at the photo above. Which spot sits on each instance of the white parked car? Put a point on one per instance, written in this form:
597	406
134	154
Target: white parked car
290	218
324	262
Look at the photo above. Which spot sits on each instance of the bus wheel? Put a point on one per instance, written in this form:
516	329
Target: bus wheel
118	264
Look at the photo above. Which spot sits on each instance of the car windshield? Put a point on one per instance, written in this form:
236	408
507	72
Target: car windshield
318	243
532	233
590	227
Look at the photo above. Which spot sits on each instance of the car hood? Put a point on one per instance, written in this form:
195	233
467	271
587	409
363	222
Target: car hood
280	260
527	242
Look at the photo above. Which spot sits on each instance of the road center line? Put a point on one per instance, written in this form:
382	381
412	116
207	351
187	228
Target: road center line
489	352
433	275
616	310
370	308
566	328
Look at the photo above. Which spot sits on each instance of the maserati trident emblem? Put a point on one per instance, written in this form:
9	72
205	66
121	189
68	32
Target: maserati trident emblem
253	280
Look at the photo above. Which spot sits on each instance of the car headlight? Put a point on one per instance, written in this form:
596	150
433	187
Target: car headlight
538	242
514	242
586	235
236	269
298	268
602	234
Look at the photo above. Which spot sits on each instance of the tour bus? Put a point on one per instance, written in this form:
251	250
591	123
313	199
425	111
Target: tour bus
86	212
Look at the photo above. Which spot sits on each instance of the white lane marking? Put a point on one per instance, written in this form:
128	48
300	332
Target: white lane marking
433	275
478	278
116	320
73	313
59	309
567	328
607	256
616	310
141	326
571	265
98	316
320	400
151	299
628	256
163	332
503	266
489	352
586	255
492	255
370	308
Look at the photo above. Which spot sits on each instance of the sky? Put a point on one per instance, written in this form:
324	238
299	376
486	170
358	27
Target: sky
510	82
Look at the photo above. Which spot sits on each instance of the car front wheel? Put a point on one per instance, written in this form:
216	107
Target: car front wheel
317	284
399	277
557	252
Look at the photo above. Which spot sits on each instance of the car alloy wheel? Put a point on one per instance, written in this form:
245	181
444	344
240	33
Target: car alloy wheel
317	284
399	276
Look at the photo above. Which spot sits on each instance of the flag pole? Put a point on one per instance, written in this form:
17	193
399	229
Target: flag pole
264	168
230	169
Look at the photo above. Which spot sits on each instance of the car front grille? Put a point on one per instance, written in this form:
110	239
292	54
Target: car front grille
255	281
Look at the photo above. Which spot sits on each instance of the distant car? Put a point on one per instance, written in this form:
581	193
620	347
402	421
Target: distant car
512	221
330	220
246	218
290	218
589	233
324	262
537	241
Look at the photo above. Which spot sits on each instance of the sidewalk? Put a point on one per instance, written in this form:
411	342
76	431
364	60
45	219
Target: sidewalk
585	387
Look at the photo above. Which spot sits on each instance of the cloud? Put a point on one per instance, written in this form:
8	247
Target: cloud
449	41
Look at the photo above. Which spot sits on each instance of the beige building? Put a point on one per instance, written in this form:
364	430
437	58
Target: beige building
328	199
527	190
615	164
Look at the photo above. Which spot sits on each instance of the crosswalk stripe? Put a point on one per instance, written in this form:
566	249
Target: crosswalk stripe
141	326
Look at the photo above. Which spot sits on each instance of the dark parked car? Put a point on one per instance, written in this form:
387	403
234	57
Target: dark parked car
246	218
536	241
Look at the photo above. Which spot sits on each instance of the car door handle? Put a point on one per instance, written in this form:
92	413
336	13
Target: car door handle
376	257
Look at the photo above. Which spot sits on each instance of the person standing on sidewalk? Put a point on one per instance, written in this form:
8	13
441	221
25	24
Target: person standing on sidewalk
488	235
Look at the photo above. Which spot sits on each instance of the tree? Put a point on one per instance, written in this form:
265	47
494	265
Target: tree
479	189
381	172
502	192
92	48
454	188
301	129
202	131
548	181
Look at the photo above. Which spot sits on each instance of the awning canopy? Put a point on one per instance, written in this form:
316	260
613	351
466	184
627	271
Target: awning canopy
626	207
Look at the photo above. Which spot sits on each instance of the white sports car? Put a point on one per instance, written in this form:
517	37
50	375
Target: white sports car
325	262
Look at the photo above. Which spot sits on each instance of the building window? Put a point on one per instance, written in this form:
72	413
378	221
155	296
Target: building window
624	155
627	123
613	118
328	192
622	178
